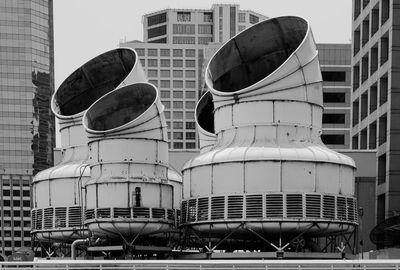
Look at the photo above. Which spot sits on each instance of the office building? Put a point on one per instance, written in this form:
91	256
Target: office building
335	62
172	55
376	93
27	134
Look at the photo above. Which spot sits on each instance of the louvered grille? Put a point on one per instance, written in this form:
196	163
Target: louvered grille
274	205
217	207
351	209
313	206
341	208
39	215
294	205
122	212
89	214
33	219
254	206
192	210
158	213
235	206
75	216
202	209
184	212
141	212
60	217
328	210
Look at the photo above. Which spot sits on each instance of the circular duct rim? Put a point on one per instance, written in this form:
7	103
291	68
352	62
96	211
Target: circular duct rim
231	47
111	107
83	77
203	111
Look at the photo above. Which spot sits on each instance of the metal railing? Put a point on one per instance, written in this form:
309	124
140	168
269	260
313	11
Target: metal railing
207	264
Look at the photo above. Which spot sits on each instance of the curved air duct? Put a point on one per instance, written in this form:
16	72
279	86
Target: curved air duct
57	197
205	122
130	191
268	168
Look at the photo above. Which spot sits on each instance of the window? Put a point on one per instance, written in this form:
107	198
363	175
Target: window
190	53
333	118
204	40
152	62
205	29
16	203
178	94
208	17
339	97
190	125
190	94
177	74
178	115
253	19
165	73
332	138
140	51
178	125
241	28
165	63
165	94
167	104
157	31
178	145
143	62
177	63
183	16
178	104
156	19
242	17
154	82
152	52
190	63
190	73
17	223
177	52
334	76
167	114
7	203
152	72
190	135
190	104
164	52
189	115
190	84
177	84
165	84
6	192
190	145
186	29
16	192
178	135
183	40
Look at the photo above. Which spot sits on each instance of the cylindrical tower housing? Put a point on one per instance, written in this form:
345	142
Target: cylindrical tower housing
57	197
129	192
268	168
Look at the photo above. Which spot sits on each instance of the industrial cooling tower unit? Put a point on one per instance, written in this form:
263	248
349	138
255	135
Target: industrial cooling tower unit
267	178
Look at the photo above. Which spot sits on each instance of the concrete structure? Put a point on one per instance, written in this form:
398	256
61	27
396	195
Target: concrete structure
335	60
172	55
27	136
376	89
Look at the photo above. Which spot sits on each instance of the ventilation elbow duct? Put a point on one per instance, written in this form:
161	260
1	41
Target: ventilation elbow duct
205	122
129	164
268	168
57	195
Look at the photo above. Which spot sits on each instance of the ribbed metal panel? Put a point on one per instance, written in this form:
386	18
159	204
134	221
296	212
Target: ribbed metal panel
274	205
235	207
254	207
218	207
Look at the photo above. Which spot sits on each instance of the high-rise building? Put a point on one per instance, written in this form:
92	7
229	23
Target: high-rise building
376	89
27	135
335	62
172	55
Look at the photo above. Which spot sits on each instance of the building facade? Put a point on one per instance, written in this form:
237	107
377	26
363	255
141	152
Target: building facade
27	136
376	93
335	62
172	55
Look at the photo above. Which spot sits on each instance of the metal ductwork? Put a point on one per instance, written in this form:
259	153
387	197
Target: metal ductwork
205	122
268	171
57	197
132	190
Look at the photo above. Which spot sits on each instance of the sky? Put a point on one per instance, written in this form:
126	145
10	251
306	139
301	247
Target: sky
84	29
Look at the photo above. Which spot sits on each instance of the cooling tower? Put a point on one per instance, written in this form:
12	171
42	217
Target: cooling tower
132	190
58	200
268	171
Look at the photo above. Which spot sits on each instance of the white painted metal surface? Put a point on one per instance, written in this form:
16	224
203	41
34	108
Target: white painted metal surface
57	197
209	264
132	189
266	87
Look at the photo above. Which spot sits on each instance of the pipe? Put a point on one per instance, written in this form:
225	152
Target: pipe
128	141
205	122
266	88
59	186
75	244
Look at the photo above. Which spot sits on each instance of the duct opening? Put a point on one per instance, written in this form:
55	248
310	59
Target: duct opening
255	53
205	113
120	106
94	79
